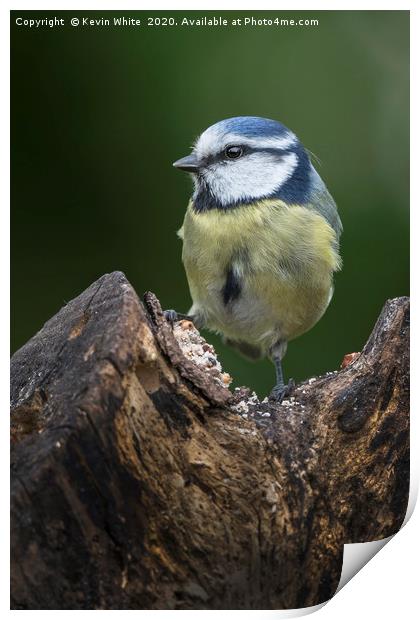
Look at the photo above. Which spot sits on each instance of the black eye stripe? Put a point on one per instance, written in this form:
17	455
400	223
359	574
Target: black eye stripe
247	150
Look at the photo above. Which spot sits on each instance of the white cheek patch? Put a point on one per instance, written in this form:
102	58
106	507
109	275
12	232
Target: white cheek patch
271	142
210	142
255	176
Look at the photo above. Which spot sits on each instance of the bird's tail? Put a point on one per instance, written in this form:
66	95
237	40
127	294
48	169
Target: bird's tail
249	351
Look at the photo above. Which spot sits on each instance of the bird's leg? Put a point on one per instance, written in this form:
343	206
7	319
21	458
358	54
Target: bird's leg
280	390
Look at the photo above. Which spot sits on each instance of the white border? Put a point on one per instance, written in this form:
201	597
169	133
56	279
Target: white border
219	5
398	567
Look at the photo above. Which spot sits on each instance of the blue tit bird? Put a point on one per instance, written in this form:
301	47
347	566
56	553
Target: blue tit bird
260	238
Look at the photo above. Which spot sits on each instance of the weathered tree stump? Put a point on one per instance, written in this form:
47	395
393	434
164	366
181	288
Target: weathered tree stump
137	482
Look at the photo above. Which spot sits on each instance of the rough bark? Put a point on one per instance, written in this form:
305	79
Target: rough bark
138	484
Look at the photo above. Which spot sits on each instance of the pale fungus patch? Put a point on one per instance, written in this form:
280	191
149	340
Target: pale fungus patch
195	348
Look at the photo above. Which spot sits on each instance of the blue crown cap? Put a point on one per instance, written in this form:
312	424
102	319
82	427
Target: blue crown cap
253	126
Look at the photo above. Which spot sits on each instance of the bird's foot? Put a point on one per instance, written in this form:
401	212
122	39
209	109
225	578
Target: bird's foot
279	392
171	316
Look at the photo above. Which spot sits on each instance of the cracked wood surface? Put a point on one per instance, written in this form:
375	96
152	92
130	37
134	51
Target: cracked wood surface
137	485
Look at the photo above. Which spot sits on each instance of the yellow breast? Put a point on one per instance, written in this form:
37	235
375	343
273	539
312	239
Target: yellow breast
283	255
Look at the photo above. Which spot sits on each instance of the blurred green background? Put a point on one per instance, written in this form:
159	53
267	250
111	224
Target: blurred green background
99	115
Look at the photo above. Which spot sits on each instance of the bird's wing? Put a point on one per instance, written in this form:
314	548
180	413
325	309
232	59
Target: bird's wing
323	203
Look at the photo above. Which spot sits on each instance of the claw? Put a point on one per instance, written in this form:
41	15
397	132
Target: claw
279	392
171	316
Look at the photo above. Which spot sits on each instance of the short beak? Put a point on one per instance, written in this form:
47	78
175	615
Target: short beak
189	163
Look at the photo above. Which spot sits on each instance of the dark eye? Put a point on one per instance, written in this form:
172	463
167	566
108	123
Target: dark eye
233	152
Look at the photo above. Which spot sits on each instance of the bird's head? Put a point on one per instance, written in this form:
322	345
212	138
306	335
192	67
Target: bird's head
244	159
